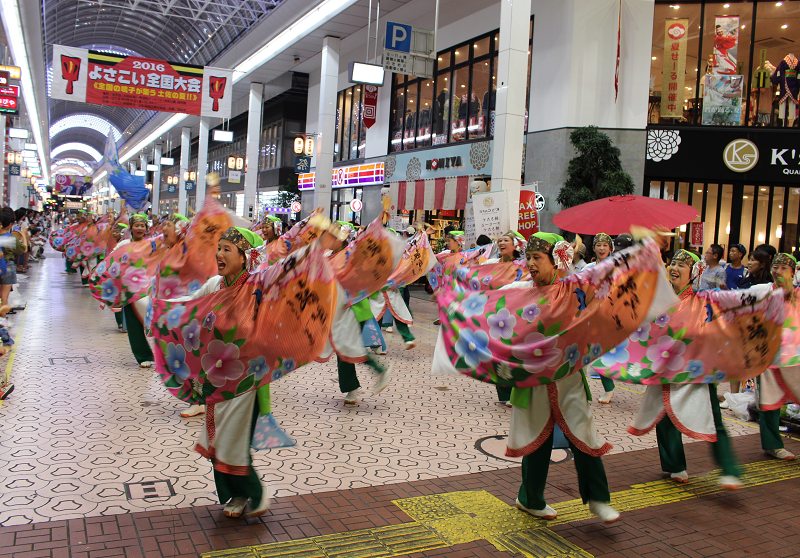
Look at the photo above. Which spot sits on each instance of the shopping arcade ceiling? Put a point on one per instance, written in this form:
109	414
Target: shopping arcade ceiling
188	31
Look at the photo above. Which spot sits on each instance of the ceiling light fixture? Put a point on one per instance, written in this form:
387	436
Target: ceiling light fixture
76	146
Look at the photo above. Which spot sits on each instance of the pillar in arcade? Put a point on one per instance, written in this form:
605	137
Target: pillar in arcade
328	85
156	178
185	147
202	163
251	150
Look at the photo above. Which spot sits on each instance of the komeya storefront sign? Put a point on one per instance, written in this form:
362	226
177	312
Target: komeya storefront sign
453	160
754	156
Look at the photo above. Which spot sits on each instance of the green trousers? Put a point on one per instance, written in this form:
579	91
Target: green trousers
120	318
670	443
232	486
592	481
608	384
348	381
138	340
769	423
503	393
70	268
405	332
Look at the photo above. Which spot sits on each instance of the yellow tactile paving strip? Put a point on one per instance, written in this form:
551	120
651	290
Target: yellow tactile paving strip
444	520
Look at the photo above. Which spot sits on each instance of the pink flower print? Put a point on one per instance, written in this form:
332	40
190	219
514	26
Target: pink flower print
171	287
537	352
666	354
134	279
603	290
221	363
272	442
87	248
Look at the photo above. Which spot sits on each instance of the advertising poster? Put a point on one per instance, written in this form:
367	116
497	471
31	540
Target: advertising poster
101	78
469	225
673	68
722	100
726	45
696	234
528	222
69	185
490	213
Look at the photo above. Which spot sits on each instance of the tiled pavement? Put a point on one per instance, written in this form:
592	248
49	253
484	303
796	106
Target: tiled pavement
78	439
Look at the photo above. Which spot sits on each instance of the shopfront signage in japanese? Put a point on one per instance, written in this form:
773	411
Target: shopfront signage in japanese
142	83
696	234
13	71
13	170
673	68
468	159
9	90
234	177
302	164
189	186
757	155
490	213
369	113
8	104
528	218
4	79
353	176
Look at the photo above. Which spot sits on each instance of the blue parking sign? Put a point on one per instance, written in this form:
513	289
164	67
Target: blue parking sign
398	37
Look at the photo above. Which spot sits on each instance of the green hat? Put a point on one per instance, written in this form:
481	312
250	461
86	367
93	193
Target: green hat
242	238
82	211
458	236
138	217
686	257
543	242
272	218
175	217
391	229
121	226
784	258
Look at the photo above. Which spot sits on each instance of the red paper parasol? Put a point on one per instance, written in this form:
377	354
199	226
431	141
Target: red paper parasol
616	214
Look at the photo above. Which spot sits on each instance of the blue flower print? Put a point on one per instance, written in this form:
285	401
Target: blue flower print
191	335
433	281
572	355
596	351
101	268
586	360
462	273
71	252
720	376
287	365
474	284
617	355
473	346
695	368
176	361
109	291
257	367
209	320
194	286
113	269
148	316
174	316
125	258
473	305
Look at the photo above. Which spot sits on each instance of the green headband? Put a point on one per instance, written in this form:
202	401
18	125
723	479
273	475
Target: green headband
137	218
603	237
784	258
273	218
175	217
121	226
242	238
686	257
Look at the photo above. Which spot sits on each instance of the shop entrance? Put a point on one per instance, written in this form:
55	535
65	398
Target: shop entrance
735	213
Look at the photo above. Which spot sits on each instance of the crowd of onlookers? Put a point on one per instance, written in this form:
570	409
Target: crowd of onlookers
23	233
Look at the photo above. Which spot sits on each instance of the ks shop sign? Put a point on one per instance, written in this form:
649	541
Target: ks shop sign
707	154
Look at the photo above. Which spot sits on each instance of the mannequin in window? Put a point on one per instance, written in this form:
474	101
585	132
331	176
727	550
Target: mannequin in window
474	107
441	106
786	77
762	94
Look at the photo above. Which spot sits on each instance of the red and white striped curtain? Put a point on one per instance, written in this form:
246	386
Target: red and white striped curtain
431	193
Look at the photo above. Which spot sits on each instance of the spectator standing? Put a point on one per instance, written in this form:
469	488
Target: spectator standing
714	276
735	270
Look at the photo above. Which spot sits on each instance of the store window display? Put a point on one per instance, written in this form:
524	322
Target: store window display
350	135
785	77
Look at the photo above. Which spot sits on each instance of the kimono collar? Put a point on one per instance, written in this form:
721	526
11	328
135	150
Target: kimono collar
791	60
240	280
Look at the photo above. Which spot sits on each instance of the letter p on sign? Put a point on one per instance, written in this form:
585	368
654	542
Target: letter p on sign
398	37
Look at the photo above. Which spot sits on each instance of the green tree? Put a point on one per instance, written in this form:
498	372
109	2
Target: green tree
288	193
595	172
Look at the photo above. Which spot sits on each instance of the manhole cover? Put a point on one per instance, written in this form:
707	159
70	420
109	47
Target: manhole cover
148	489
68	360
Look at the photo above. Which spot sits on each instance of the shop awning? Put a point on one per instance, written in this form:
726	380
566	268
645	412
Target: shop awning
431	193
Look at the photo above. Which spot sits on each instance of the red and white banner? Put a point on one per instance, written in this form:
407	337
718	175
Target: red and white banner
431	193
528	222
370	112
143	83
696	234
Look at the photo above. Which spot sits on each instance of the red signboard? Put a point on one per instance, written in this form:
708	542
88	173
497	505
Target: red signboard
696	234
528	216
141	83
10	91
4	77
370	105
8	103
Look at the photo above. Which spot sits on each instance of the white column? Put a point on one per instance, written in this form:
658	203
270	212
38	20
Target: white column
202	161
251	151
509	121
185	146
14	193
3	164
156	178
328	84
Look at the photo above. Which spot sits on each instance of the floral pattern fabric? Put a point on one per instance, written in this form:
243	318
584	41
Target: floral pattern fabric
525	337
790	336
710	337
125	275
447	263
224	344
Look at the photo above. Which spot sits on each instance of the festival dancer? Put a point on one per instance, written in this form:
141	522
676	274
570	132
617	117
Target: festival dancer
780	383
675	355
603	246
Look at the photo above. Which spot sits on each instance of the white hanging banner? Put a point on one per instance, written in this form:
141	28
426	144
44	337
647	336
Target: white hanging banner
217	92
70	66
490	211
